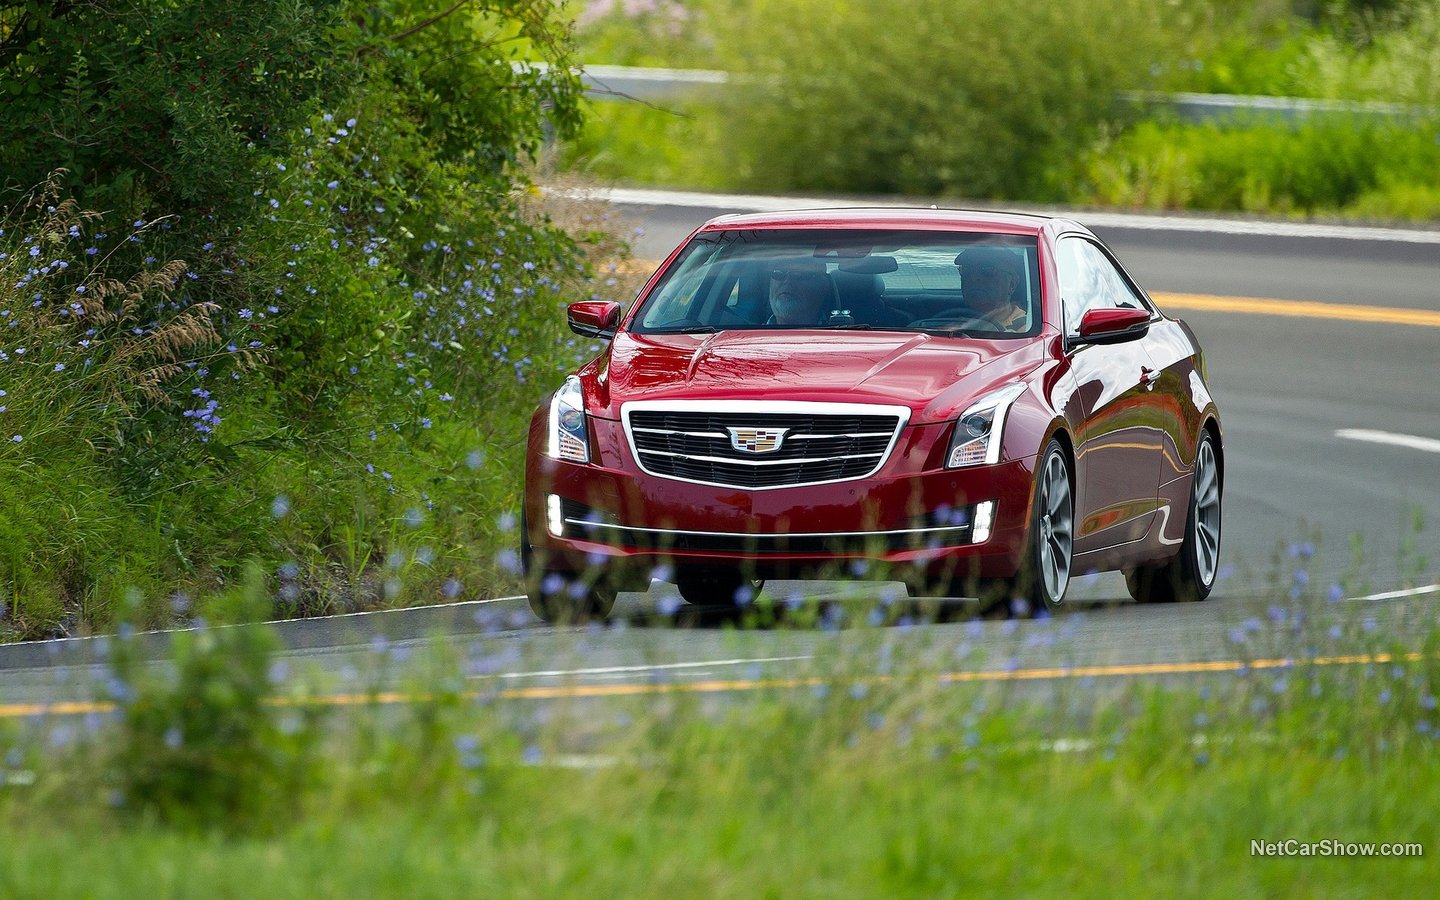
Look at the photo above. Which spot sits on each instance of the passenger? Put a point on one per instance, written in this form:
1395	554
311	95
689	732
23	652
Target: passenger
799	292
988	277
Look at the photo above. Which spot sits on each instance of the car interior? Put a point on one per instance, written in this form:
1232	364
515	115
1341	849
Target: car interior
920	289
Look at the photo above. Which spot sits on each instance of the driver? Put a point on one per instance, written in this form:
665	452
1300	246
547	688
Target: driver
989	276
799	292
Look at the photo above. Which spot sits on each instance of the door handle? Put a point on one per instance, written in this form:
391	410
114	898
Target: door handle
1148	377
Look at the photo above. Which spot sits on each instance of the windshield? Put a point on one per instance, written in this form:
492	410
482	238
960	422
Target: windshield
948	283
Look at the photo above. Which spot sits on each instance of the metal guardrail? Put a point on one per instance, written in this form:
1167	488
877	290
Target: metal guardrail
657	85
1191	107
650	85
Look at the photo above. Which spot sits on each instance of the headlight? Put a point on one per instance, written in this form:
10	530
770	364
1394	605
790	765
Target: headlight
978	430
568	440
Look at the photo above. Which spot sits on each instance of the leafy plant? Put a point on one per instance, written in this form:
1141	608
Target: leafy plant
210	748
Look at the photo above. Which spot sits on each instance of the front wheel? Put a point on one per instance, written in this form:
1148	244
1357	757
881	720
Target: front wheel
563	597
1190	574
1045	570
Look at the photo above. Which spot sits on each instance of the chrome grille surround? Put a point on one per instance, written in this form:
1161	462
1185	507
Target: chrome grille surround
826	443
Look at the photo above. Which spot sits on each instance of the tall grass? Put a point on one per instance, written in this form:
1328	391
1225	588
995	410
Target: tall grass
1348	167
878	768
355	429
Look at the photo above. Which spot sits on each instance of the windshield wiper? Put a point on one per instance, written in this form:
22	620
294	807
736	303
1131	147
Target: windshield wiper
683	329
946	332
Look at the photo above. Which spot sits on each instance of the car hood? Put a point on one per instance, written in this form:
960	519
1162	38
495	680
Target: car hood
930	375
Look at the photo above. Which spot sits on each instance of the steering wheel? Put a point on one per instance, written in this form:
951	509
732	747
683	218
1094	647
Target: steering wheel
960	320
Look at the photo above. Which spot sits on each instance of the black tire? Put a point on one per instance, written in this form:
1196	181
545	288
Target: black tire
1045	569
563	597
1190	574
706	586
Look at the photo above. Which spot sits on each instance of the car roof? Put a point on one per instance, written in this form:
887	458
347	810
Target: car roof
896	218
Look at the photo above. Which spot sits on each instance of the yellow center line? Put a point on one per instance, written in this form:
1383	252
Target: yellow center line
585	691
1304	309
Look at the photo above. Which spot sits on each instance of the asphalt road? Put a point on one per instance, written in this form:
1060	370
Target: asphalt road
1318	527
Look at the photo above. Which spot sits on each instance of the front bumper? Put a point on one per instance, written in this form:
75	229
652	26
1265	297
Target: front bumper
911	519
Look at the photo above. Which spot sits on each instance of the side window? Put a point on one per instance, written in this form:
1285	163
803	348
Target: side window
1089	280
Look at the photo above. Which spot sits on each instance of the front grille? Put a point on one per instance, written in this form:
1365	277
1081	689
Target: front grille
695	444
920	533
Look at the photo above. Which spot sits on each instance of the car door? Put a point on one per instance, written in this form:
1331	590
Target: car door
1119	443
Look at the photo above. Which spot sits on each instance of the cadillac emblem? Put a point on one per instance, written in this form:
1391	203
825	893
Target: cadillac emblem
756	440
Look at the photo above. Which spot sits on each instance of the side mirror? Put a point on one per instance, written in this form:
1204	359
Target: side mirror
1113	326
594	318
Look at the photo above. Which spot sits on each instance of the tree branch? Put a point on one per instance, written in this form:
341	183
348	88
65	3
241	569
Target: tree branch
427	23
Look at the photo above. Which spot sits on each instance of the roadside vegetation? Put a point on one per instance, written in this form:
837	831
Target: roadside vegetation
275	287
890	764
972	101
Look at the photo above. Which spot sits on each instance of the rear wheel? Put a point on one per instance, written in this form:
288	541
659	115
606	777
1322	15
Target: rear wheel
714	586
1045	570
1189	575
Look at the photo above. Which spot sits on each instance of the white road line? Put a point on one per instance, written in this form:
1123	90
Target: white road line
461	604
758	203
1413	442
613	670
353	615
1397	595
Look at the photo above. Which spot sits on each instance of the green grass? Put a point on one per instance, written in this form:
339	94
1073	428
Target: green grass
848	783
878	823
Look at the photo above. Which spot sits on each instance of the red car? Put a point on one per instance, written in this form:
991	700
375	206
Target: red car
977	403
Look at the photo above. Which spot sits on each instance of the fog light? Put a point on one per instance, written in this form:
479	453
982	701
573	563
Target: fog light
984	519
553	517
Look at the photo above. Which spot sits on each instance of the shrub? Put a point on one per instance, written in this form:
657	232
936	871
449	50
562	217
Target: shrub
1317	167
209	748
335	377
930	96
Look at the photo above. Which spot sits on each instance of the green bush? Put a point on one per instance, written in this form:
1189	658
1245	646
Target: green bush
336	378
1348	166
930	97
210	748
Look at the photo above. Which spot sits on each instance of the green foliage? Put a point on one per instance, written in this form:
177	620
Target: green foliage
631	142
990	105
875	768
90	339
210	748
1399	64
1321	167
364	269
161	105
